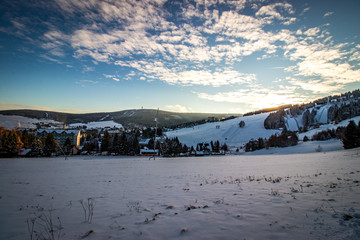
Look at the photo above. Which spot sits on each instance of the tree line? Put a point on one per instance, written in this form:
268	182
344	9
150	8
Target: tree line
349	135
13	141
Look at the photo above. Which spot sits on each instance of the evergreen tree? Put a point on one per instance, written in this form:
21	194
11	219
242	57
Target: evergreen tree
10	142
50	145
351	137
36	147
135	146
217	146
192	149
185	149
224	147
261	143
116	144
26	139
106	142
123	144
67	146
3	136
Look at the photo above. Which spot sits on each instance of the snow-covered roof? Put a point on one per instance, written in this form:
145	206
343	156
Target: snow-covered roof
144	141
59	131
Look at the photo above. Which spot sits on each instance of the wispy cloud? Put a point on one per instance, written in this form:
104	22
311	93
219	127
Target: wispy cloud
328	14
178	108
256	98
113	77
86	81
201	43
88	68
324	64
189	77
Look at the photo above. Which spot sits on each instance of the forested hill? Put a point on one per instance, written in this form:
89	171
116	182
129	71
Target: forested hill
332	109
128	118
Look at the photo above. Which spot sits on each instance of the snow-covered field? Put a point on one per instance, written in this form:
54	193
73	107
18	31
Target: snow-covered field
297	196
100	124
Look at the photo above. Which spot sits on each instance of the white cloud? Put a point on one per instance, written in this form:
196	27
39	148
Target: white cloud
88	69
177	108
256	98
201	47
276	11
88	81
324	65
312	31
328	14
318	86
189	77
113	77
109	76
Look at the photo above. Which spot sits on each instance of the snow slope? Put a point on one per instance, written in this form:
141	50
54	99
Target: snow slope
234	136
228	131
298	196
330	126
12	121
295	123
100	124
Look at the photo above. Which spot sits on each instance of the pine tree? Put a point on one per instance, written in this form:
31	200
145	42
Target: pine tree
185	149
351	137
224	147
106	142
36	147
26	139
67	146
116	144
50	145
123	144
10	142
217	146
135	146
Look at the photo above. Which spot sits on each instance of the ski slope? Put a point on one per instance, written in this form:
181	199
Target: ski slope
227	132
230	133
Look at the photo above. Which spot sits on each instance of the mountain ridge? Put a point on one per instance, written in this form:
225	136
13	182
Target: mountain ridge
128	118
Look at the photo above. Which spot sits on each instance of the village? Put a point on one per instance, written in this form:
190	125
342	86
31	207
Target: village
56	140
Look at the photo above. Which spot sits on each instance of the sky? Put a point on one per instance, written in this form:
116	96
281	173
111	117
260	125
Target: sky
215	56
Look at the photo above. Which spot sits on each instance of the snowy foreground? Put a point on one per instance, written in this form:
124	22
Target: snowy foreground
297	196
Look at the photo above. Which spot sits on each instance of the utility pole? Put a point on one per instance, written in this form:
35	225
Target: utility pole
156	126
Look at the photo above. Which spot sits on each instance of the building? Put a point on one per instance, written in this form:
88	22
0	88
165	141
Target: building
61	135
149	152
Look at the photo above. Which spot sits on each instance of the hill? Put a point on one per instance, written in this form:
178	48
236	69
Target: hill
306	120
127	118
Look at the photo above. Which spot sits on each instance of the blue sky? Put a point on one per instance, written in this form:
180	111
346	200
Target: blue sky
214	56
